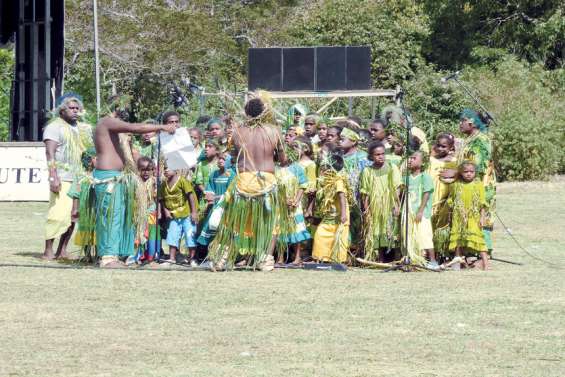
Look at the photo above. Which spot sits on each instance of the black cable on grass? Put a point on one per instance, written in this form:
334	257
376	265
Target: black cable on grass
551	264
78	267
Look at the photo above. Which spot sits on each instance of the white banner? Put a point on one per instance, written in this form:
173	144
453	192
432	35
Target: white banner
23	172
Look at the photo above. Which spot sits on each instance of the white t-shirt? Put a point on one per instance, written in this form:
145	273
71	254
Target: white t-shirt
67	157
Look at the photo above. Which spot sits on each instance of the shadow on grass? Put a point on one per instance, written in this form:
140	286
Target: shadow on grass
29	254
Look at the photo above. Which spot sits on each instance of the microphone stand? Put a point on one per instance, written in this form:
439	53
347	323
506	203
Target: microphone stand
157	209
474	98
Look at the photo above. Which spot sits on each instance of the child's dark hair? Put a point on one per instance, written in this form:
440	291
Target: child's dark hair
446	136
305	141
466	163
336	161
197	130
337	128
425	157
372	147
214	121
169	114
142	159
378	121
213	142
203	119
356	119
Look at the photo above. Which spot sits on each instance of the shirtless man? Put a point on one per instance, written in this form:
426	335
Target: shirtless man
114	225
255	196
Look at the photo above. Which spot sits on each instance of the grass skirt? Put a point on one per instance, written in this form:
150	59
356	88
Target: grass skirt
255	212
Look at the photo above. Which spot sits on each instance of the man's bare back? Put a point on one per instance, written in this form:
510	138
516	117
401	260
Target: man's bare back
109	155
257	148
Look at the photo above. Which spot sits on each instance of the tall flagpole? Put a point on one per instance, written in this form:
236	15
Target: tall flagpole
96	57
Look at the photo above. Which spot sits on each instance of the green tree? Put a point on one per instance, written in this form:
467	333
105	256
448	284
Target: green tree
531	29
6	78
395	31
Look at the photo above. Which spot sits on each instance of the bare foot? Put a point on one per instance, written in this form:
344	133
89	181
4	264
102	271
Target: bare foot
48	255
241	263
297	262
65	256
112	263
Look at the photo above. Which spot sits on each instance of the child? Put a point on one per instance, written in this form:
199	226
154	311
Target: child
332	136
196	138
442	169
378	132
396	151
215	189
303	148
322	132
354	162
83	211
467	202
148	248
179	206
204	169
441	164
293	178
215	130
420	192
331	240
290	135
379	189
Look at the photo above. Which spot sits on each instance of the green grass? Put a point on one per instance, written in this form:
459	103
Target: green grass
509	321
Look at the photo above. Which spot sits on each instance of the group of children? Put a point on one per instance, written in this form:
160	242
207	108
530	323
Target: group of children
346	187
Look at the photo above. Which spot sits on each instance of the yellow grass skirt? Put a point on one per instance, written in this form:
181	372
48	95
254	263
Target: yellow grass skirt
59	214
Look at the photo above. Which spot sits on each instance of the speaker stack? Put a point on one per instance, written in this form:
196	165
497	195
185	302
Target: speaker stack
318	69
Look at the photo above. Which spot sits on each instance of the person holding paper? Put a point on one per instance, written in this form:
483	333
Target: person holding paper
116	183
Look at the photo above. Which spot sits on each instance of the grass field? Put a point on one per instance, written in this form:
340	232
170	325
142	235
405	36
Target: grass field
509	321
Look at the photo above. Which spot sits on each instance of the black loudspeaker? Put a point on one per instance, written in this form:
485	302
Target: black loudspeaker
38	26
330	69
358	68
298	69
309	68
265	69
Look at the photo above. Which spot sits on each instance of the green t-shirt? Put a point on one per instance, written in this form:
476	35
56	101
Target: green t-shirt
176	197
204	170
419	185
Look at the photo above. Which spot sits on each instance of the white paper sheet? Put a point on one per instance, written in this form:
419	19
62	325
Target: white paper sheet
178	149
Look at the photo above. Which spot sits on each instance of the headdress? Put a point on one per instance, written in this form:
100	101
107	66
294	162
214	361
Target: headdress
473	117
350	134
267	116
297	108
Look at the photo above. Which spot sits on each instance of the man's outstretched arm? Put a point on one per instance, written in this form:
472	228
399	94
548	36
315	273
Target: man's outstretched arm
119	126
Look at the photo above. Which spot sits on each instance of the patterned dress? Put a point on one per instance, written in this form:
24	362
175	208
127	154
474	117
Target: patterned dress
478	149
466	200
353	165
293	178
218	185
380	228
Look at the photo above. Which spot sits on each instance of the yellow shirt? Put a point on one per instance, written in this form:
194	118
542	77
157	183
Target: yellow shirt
176	197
